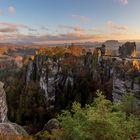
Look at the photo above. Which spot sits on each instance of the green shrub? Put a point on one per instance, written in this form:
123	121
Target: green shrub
129	105
99	121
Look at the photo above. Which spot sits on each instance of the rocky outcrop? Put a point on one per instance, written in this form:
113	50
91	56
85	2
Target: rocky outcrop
48	72
124	87
51	124
125	81
6	127
127	49
47	82
9	128
59	77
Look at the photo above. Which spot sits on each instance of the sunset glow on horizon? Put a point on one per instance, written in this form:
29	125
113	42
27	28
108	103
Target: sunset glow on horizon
65	21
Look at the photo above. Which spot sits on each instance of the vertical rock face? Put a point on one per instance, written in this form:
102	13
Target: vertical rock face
3	105
30	69
43	81
119	89
44	71
47	82
125	81
48	72
6	127
88	61
124	87
57	76
126	78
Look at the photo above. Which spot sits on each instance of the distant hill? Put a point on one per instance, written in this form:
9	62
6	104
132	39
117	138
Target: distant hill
111	41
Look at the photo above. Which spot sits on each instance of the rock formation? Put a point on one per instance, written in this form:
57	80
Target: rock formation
58	77
51	124
126	80
30	70
47	82
6	127
127	49
3	105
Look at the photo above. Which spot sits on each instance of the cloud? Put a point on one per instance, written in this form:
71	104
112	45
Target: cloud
7	30
49	38
12	9
124	2
7	27
12	32
66	37
13	27
43	27
81	18
73	28
115	26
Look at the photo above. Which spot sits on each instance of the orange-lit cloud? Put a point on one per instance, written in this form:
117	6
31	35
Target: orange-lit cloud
67	37
8	30
73	28
115	26
12	32
6	26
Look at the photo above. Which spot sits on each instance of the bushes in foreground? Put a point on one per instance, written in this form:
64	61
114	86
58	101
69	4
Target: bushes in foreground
102	120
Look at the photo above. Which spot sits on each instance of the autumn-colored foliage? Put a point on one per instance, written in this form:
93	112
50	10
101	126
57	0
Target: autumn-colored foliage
12	137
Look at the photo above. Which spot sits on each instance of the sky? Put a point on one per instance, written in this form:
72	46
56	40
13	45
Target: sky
65	21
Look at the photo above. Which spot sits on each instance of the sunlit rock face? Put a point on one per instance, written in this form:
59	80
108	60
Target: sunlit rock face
6	127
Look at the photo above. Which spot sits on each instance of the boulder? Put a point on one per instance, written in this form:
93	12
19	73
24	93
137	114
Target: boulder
51	124
9	128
